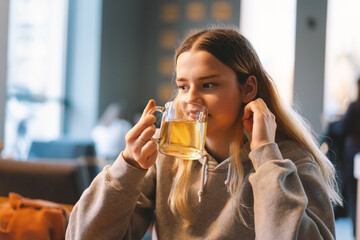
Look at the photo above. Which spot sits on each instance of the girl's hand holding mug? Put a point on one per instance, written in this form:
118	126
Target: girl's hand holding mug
141	150
182	133
260	122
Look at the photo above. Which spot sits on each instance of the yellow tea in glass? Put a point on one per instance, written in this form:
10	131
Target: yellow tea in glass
183	139
183	130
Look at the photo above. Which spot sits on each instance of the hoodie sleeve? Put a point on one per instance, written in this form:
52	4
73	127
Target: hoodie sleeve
107	209
290	201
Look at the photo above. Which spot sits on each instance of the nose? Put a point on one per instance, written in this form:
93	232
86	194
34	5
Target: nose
194	96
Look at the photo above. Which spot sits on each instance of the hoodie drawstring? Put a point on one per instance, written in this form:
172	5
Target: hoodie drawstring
227	181
204	174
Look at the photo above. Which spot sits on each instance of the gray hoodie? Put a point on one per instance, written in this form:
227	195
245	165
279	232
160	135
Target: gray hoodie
284	194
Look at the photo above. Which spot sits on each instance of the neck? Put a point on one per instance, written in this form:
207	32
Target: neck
218	148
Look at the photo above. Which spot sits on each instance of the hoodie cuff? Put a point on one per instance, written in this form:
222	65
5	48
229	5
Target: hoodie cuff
264	154
124	175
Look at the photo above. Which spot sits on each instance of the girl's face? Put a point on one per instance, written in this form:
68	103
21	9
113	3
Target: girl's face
203	79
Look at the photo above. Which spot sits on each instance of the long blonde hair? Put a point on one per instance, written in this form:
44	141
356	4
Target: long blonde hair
235	51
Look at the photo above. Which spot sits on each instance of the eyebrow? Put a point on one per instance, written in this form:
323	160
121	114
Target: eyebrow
202	78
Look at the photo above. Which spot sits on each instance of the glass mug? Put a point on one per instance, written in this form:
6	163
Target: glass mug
182	130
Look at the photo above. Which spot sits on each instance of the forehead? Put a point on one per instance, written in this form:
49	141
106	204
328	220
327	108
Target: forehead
191	62
201	57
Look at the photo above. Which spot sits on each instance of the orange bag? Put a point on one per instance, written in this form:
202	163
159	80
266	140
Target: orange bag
29	219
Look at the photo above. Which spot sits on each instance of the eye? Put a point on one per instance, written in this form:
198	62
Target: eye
209	85
181	87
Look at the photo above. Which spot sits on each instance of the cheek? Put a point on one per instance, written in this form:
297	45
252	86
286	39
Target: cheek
226	113
222	105
232	114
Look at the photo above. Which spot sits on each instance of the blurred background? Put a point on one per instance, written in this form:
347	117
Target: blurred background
64	62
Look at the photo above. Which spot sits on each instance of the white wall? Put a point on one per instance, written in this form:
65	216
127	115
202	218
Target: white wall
4	16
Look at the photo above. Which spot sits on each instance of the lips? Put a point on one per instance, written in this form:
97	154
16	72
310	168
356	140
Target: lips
193	115
196	116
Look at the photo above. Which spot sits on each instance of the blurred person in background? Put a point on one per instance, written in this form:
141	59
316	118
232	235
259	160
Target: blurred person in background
349	128
109	133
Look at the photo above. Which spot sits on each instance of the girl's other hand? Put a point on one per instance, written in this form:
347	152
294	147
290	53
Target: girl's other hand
141	150
260	122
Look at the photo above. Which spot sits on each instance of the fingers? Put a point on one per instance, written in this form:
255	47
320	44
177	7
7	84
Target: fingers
147	134
140	149
261	105
137	130
144	122
260	122
247	118
255	106
148	154
148	107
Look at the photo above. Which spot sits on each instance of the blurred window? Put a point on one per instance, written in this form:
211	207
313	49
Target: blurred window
342	61
36	63
270	27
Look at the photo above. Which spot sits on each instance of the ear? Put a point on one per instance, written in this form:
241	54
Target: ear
249	89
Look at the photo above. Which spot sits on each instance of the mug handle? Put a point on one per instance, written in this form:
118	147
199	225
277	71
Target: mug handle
158	121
